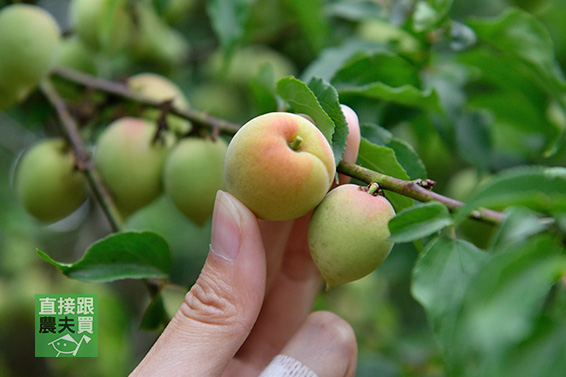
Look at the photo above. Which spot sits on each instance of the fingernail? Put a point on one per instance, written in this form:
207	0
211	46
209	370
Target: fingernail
225	235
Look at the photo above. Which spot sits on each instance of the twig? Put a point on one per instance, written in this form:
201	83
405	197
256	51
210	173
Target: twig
84	164
419	190
414	190
122	90
83	159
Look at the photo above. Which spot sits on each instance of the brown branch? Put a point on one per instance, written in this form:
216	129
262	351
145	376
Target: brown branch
122	90
414	190
418	189
82	157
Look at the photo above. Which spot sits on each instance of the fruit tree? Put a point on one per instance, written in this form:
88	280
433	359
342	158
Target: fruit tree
423	141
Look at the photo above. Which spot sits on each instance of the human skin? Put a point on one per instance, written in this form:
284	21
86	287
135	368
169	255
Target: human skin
130	162
47	181
348	234
250	303
279	165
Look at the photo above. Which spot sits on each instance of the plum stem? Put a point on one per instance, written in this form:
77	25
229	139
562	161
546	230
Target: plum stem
413	190
373	188
296	143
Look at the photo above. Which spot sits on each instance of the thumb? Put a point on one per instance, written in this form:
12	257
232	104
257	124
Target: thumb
221	308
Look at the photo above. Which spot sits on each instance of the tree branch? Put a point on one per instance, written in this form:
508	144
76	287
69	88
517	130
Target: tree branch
413	190
84	164
83	159
122	90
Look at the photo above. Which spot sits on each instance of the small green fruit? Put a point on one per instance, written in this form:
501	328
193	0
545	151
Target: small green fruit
73	53
348	234
246	62
193	173
47	182
160	88
279	165
130	162
29	37
156	41
103	24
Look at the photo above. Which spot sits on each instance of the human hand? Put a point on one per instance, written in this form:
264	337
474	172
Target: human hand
251	305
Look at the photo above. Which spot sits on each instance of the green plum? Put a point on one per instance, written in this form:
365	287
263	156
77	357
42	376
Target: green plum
246	62
160	88
47	181
104	25
130	162
156	41
74	53
29	38
348	234
193	173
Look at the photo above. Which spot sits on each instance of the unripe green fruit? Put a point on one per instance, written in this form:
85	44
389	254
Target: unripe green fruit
29	37
160	88
156	41
47	182
348	234
246	62
74	53
279	165
130	162
103	24
193	173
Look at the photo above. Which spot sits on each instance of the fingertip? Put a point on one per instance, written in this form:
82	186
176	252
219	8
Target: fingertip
326	344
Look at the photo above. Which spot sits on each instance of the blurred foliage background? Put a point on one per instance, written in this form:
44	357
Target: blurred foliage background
498	113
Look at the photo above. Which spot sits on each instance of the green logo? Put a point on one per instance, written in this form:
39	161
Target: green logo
66	325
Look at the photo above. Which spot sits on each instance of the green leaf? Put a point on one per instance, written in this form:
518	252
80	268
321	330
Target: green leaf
328	98
354	10
380	67
419	221
504	80
262	89
309	14
504	301
406	95
404	152
441	278
155	314
539	188
519	224
429	13
302	100
129	255
383	160
474	139
541	355
228	18
332	59
522	36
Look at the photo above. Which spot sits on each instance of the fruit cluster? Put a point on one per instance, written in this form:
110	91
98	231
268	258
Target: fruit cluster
137	162
278	164
282	167
106	33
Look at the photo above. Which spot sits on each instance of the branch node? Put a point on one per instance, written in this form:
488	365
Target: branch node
427	184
